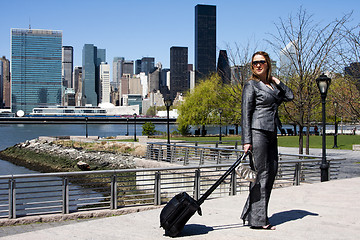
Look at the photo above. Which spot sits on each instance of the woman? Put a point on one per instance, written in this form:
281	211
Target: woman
261	96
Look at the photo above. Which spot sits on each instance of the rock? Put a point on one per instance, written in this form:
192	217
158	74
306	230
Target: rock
83	166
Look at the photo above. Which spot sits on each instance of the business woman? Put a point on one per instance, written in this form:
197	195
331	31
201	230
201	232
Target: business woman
261	96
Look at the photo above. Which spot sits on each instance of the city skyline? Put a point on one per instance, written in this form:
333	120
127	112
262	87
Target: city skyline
138	29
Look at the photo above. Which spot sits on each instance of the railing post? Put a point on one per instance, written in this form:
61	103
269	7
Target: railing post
186	158
196	150
197	184
65	196
148	151
297	173
157	188
113	201
12	198
236	144
201	157
168	153
233	183
173	154
218	160
161	153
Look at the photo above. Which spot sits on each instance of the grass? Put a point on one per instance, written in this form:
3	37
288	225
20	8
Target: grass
343	141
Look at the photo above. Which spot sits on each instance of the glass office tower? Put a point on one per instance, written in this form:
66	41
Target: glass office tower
35	68
92	57
205	40
179	74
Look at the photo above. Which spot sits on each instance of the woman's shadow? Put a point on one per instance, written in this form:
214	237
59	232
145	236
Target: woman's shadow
275	219
291	215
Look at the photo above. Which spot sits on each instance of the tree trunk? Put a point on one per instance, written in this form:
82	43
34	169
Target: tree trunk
301	139
308	139
203	131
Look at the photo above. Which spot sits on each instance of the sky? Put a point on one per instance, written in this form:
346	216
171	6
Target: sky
149	28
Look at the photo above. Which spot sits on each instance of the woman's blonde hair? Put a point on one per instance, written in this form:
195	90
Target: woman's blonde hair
268	62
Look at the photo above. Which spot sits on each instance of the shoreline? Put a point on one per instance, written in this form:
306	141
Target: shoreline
51	155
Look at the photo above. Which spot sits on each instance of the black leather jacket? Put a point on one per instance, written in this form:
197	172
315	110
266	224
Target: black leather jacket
260	107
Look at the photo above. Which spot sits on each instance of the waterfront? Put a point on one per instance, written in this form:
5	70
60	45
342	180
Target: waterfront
16	133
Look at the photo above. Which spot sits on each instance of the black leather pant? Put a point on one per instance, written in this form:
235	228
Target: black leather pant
265	156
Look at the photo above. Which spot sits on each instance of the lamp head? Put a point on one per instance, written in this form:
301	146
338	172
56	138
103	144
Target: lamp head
168	102
323	83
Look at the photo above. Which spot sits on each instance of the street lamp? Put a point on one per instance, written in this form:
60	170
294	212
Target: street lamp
336	126
323	83
134	127
86	127
168	103
127	127
220	111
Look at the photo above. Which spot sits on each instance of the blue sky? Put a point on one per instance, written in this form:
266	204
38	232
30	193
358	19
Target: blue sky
149	28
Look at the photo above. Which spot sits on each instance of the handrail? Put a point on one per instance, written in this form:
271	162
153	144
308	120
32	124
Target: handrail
115	171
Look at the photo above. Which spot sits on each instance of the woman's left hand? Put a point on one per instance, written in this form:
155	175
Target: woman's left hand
277	81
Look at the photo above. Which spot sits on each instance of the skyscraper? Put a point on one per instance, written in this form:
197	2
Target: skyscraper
5	83
35	68
78	85
223	67
117	70
105	82
67	66
179	77
205	40
288	56
138	66
128	67
147	64
154	80
91	60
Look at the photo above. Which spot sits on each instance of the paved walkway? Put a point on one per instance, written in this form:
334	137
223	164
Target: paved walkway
328	210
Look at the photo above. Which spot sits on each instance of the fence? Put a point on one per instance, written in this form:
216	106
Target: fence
48	193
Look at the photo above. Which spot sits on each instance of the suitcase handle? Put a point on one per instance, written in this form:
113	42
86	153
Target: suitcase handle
222	178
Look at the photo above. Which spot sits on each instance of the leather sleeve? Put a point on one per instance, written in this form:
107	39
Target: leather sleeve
286	92
247	109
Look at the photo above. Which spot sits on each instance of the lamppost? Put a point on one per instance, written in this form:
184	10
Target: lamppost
134	127
168	103
86	127
323	83
220	111
127	127
336	126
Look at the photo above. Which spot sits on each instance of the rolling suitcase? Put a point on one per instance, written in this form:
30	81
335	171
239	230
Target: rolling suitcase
182	207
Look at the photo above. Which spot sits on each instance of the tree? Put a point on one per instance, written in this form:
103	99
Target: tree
200	104
304	48
347	57
151	111
345	92
148	129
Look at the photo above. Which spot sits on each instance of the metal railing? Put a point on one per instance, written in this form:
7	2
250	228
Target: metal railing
49	193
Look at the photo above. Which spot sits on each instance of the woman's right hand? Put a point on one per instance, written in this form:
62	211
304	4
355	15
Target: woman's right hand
247	147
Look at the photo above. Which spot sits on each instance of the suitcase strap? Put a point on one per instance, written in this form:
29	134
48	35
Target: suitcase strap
221	179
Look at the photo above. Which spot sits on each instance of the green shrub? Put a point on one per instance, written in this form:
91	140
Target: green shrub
148	129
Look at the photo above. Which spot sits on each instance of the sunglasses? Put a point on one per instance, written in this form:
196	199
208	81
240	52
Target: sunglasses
259	62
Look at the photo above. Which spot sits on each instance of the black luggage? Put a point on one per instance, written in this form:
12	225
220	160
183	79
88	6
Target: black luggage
182	207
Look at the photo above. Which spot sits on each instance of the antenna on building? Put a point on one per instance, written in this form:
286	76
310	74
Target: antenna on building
29	23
